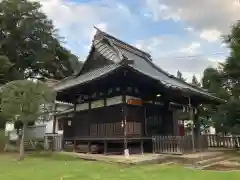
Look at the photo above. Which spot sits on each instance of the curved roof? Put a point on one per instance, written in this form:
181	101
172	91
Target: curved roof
118	51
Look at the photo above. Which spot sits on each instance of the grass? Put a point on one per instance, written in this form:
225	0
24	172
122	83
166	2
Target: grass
53	167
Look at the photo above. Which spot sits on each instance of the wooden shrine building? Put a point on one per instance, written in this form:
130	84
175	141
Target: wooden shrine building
122	99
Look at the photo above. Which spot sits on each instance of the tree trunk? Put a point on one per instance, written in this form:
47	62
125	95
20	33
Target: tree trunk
21	157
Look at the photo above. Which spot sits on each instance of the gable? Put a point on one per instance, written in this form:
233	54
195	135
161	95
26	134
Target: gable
95	60
102	53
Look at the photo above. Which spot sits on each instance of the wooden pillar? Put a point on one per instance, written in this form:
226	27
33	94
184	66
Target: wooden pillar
74	145
191	117
89	147
168	122
145	122
175	124
124	121
197	131
142	148
125	126
54	118
105	147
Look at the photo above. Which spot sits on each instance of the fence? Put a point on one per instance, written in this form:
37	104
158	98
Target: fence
178	144
230	142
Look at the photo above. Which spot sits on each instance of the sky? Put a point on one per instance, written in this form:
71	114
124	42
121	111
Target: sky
184	35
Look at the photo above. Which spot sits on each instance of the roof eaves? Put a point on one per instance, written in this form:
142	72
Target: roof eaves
63	103
200	90
87	77
67	111
168	85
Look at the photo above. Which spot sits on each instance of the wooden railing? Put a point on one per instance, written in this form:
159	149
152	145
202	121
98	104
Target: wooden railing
216	141
178	144
184	144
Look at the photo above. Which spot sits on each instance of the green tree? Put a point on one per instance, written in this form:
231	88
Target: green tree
214	82
195	81
228	114
30	41
7	71
180	76
21	101
231	68
7	74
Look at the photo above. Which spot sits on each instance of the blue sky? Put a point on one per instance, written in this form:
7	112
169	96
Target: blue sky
181	35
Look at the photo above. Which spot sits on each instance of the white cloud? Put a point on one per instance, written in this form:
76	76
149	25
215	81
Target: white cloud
189	29
193	48
173	53
149	45
75	20
210	35
209	17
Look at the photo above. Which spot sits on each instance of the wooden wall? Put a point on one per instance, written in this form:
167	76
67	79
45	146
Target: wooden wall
109	122
95	123
106	122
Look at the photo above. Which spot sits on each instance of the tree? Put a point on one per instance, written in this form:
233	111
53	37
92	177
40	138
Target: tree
7	71
231	68
225	83
214	82
227	86
179	76
227	117
30	41
21	101
195	81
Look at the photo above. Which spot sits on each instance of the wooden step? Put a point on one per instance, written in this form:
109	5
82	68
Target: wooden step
28	145
211	160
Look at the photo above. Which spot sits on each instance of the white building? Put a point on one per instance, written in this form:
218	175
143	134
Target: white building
45	123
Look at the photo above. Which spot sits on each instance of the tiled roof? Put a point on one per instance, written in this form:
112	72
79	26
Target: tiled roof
143	63
147	67
96	73
117	51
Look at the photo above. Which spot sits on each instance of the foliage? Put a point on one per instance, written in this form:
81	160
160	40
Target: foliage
195	81
228	117
23	98
225	83
232	65
7	71
21	101
180	76
30	41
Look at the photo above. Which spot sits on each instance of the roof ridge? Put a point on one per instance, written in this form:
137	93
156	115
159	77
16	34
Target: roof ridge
120	42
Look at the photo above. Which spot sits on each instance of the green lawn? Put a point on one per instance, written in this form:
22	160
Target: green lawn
52	167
